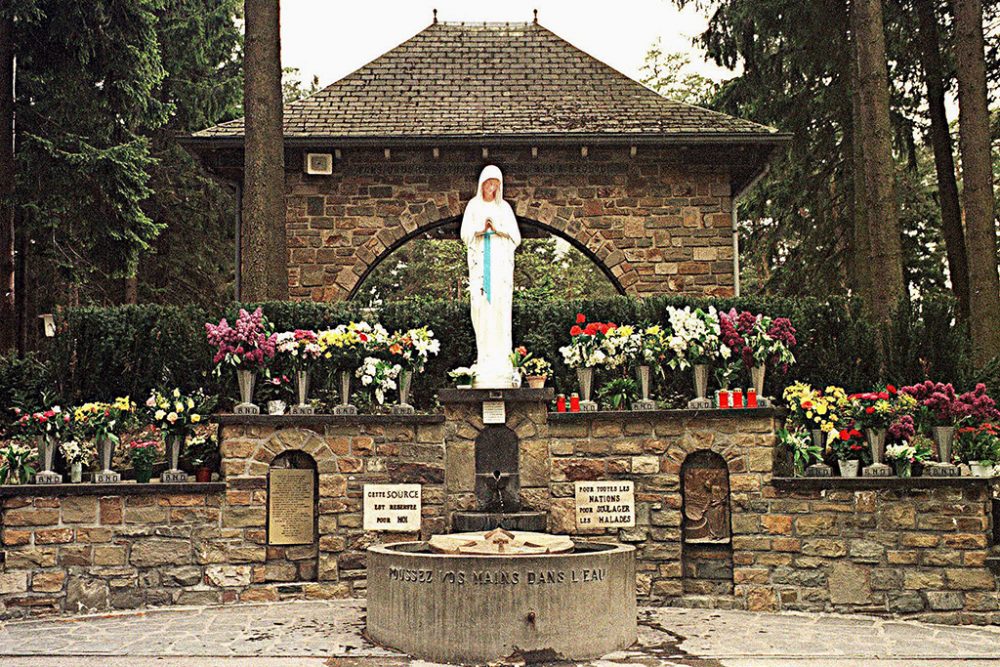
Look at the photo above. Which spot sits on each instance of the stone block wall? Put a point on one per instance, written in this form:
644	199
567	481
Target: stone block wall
659	222
650	449
349	452
118	550
919	548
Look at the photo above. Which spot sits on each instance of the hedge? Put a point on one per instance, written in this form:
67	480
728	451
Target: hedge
104	352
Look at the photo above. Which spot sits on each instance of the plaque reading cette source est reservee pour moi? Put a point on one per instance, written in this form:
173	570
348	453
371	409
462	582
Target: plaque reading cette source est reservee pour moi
605	505
392	507
290	506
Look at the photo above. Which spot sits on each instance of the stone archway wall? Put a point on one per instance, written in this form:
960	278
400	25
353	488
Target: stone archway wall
659	222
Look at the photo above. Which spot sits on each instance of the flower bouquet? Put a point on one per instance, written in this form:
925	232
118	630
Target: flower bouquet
803	450
378	376
652	350
585	352
875	411
411	350
202	452
979	447
77	455
536	371
176	415
939	411
759	341
463	376
821	412
345	347
103	423
44	428
247	347
903	455
143	453
16	463
300	350
275	392
849	449
694	342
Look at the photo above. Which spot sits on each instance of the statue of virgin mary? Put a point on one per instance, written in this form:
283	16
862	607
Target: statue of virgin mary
490	233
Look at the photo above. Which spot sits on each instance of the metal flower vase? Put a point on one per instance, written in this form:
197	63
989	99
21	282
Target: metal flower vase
76	472
106	450
818	438
644	403
585	376
302	407
175	443
876	442
757	377
246	380
405	382
944	438
700	388
345	407
46	452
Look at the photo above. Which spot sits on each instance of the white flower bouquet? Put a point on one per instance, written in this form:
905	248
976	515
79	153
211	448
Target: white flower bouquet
694	337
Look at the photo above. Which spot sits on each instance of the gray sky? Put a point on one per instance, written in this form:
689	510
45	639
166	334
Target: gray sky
332	38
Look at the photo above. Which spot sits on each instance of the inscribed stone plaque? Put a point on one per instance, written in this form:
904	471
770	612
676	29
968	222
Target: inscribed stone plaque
290	508
494	412
392	507
605	505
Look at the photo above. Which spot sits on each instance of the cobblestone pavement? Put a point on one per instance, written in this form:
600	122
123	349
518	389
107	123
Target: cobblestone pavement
329	634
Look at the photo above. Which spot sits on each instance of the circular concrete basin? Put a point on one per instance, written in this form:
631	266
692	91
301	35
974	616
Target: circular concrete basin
478	609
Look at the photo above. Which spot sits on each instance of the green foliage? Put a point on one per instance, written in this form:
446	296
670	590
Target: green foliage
618	393
665	73
545	269
127	350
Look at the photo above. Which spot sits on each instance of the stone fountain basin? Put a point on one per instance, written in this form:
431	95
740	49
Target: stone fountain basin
477	609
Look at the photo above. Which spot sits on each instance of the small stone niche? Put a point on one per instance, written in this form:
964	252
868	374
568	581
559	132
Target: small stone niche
498	481
292	516
707	550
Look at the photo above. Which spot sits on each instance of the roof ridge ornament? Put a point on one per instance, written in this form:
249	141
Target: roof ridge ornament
435	17
535	21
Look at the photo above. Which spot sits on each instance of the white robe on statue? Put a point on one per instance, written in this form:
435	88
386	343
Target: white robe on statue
491	292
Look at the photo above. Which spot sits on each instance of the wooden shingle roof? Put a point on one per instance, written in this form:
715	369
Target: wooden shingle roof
493	80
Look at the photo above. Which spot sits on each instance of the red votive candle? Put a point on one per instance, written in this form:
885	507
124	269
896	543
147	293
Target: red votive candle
724	399
574	403
561	403
737	398
751	398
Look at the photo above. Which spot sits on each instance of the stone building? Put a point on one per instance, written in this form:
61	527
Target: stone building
643	185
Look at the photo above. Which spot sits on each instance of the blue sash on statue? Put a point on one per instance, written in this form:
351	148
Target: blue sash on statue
487	272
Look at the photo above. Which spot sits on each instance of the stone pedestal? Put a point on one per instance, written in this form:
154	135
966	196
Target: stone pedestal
401	409
302	410
877	470
173	476
701	404
246	409
941	470
642	405
107	477
588	406
347	409
48	477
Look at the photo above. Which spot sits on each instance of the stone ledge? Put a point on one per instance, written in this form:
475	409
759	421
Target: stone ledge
286	421
520	395
865	483
122	489
657	415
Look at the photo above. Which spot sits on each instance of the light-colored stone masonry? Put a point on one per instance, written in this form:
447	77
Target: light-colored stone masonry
915	548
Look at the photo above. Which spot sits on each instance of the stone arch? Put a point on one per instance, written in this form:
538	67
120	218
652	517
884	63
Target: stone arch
602	252
285	440
292	529
706	524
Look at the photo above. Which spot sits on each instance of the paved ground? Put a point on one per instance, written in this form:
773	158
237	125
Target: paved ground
328	634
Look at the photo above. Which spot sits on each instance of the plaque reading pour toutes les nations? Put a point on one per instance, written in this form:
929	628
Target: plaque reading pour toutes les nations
392	507
605	505
290	506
